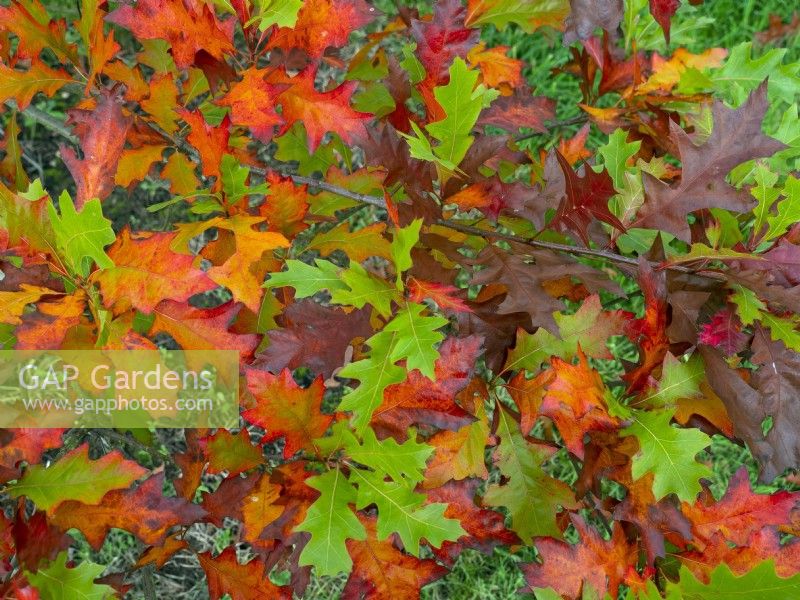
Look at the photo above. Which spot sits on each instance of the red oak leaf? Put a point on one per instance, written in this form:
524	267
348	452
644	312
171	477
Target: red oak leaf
252	104
486	528
662	11
570	568
287	410
383	572
724	331
146	271
191	27
442	295
102	133
320	112
143	511
418	400
741	512
323	24
586	197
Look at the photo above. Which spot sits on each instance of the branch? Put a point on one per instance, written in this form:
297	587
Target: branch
60	128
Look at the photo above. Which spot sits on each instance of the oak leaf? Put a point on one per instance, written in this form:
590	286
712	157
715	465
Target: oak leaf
189	27
705	167
287	410
146	271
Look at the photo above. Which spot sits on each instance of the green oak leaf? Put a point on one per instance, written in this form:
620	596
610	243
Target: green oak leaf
748	306
679	379
375	373
462	101
282	13
759	583
362	288
616	152
530	15
81	235
58	582
668	453
234	180
330	521
75	477
787	212
401	510
590	326
306	279
521	463
417	337
402	462
765	193
405	238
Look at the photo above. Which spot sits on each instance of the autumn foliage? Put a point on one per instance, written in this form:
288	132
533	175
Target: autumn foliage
461	323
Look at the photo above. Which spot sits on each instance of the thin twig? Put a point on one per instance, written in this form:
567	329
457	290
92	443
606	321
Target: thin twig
61	129
47	120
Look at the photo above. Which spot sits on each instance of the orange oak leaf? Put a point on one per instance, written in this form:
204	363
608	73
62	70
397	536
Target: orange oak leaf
285	206
161	554
252	104
146	271
260	507
179	171
143	511
570	568
240	257
459	454
575	402
383	572
741	512
650	332
226	575
135	164
48	326
498	70
102	133
202	328
287	410
190	27
35	30
162	102
211	142
102	50
22	86
321	112
13	304
323	24
528	394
